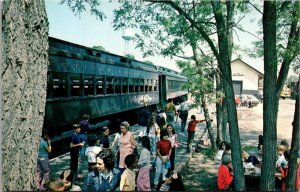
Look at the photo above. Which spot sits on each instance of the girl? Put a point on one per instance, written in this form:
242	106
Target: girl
174	143
163	151
143	180
151	132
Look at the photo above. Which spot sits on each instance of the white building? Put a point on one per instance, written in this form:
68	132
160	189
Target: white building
246	79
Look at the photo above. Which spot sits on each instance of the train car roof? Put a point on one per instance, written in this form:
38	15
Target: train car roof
88	53
170	72
96	55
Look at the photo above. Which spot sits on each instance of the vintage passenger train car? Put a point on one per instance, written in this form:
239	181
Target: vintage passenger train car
84	80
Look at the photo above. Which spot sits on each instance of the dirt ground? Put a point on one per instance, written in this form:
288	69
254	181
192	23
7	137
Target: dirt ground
201	172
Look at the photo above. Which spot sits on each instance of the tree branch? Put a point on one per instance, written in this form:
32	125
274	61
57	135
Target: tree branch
200	30
255	7
248	32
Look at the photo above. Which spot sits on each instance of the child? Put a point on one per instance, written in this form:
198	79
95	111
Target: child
191	131
92	151
164	149
249	159
225	175
143	180
280	158
127	182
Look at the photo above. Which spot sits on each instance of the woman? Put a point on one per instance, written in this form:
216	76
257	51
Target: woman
174	143
105	177
223	147
127	144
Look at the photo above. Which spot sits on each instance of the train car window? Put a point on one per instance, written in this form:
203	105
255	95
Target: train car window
150	85
109	85
117	85
154	85
136	85
131	85
100	85
142	83
57	83
75	85
147	85
88	85
124	85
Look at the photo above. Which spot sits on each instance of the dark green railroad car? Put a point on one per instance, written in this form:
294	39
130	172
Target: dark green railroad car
84	80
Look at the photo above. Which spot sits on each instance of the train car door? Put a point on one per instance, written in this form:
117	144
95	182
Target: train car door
162	88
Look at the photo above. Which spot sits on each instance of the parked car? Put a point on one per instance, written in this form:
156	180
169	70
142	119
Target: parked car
246	99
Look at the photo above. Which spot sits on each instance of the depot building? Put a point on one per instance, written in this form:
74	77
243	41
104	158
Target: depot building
245	78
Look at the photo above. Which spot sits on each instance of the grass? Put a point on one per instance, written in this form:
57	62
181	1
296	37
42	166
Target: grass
207	152
249	148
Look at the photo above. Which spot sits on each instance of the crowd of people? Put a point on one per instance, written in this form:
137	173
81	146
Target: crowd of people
225	172
113	166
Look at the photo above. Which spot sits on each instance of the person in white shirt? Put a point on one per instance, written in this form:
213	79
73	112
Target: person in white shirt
92	151
183	113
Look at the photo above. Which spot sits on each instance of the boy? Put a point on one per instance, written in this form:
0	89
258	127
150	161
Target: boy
191	131
75	146
127	182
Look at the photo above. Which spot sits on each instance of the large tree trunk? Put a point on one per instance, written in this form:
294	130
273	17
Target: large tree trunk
218	109
224	61
208	122
24	75
290	184
271	99
224	121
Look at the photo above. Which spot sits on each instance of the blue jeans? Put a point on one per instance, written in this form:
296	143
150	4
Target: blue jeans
153	143
170	117
160	169
184	116
42	172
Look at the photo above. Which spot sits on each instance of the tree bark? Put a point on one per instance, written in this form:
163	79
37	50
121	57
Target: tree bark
218	109
224	30
24	73
290	183
271	99
208	122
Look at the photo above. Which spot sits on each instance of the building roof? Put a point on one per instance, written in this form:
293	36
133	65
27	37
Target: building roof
238	59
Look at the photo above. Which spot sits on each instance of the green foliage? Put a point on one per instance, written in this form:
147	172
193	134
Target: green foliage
79	6
208	153
249	148
130	56
99	47
291	79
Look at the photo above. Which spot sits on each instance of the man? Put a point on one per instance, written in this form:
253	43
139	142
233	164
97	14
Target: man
43	163
143	118
183	113
75	145
170	110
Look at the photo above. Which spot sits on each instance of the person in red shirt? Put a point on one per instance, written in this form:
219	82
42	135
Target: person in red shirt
225	174
191	131
164	149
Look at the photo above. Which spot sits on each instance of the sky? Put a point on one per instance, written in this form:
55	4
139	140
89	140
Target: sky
88	31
